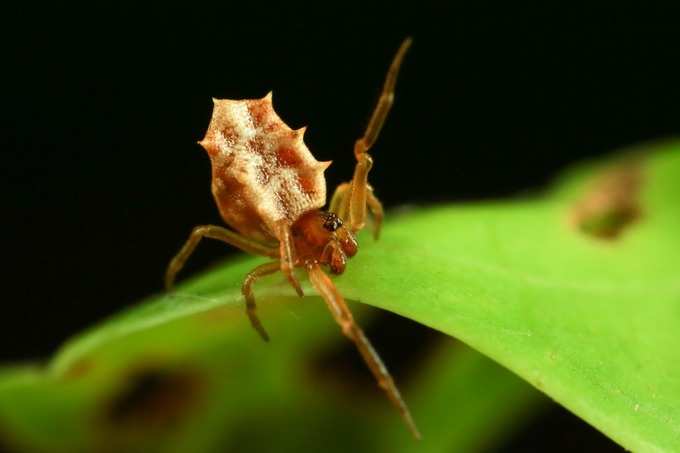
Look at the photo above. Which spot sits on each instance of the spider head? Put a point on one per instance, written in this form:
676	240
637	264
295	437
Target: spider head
322	237
341	243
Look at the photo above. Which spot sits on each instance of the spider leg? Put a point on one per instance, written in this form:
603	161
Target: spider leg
288	257
339	205
336	304
384	103
220	234
247	290
359	190
376	208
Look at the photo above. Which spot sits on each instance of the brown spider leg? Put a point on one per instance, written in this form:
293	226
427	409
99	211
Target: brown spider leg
376	208
336	304
287	254
359	191
247	290
220	234
339	205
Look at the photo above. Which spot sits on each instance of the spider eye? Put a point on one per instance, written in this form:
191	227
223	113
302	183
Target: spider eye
331	222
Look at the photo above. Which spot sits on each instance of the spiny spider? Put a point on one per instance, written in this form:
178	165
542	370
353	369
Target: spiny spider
270	189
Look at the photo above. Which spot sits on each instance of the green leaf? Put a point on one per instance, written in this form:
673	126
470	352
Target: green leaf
592	322
187	374
581	298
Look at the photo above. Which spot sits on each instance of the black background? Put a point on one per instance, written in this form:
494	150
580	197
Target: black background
102	179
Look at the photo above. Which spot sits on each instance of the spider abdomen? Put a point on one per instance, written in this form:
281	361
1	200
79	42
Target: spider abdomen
263	174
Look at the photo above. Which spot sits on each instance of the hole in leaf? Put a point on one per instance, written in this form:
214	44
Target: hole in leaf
155	398
7	442
612	204
79	369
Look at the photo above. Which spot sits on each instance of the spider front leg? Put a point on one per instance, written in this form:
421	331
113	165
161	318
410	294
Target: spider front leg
338	308
339	205
358	193
358	197
339	201
220	234
376	208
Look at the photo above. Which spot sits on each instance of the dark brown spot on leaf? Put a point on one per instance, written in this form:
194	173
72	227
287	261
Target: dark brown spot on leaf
154	398
8	444
612	204
79	368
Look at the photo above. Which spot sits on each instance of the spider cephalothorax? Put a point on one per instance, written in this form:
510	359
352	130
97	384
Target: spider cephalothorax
320	237
270	189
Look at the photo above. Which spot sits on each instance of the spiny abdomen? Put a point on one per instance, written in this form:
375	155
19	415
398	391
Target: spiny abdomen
262	171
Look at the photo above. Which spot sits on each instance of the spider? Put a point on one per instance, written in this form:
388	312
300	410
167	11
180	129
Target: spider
271	190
